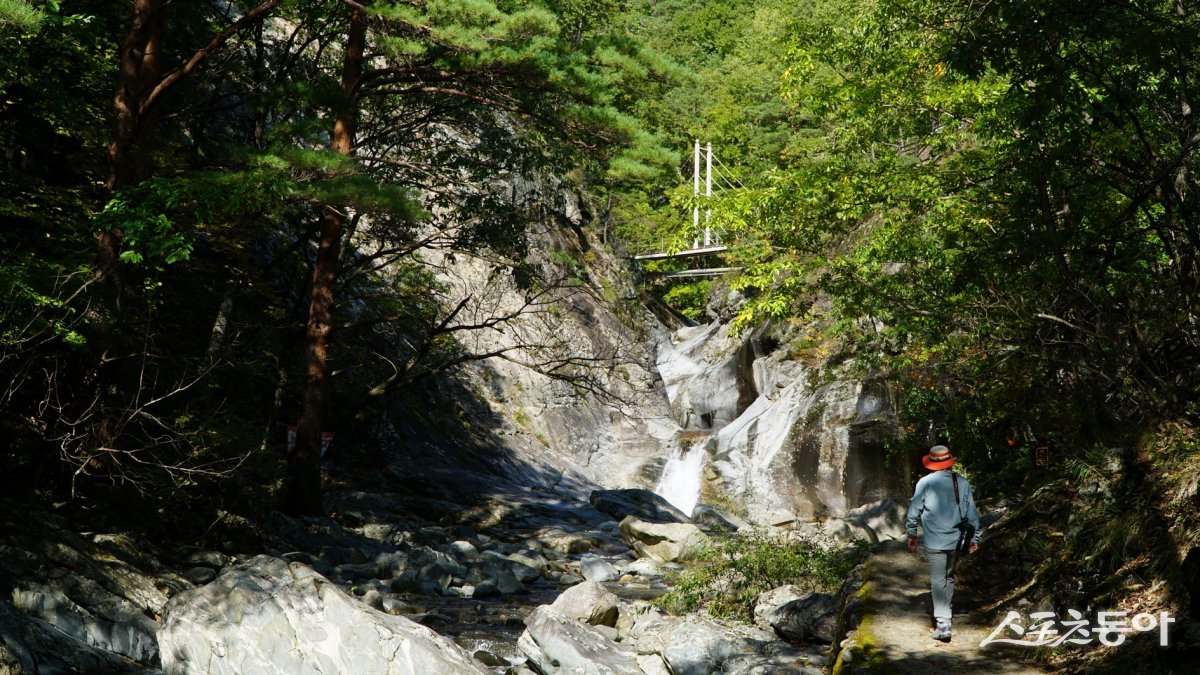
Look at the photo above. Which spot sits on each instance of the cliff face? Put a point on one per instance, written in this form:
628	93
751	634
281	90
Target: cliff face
569	398
786	440
587	388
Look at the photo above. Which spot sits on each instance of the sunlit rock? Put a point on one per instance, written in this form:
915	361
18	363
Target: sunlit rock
266	616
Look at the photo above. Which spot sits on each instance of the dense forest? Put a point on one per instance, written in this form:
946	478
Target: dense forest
220	218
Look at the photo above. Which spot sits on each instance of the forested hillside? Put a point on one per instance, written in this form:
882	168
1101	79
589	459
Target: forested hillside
183	256
221	219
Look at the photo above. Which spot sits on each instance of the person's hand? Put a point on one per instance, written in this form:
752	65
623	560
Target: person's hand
974	547
912	544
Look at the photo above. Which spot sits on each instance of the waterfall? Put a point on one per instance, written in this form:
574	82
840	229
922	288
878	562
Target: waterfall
680	481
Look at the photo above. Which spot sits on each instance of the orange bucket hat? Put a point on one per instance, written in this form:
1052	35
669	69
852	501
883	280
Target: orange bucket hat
938	458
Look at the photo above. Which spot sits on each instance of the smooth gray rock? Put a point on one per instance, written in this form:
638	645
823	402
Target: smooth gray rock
29	646
464	549
664	542
589	602
636	619
429	572
640	503
555	538
524	573
558	645
768	603
595	568
778	658
494	574
652	664
489	659
696	646
425	556
644	567
608	632
690	645
712	519
390	564
213	559
526	569
373	599
484	589
102	620
531	558
383	533
200	575
268	616
396	606
797	615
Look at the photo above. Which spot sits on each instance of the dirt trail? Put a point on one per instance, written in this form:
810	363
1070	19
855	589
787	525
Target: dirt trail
894	635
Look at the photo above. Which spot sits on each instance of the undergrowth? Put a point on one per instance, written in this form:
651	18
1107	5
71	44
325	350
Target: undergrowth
728	577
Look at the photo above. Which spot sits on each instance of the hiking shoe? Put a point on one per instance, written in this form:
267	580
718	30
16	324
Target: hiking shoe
941	633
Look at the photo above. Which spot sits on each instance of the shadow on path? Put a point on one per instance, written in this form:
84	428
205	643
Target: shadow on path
897	624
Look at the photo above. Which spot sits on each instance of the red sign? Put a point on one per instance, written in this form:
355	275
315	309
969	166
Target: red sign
326	439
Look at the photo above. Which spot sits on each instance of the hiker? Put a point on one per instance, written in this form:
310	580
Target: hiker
945	507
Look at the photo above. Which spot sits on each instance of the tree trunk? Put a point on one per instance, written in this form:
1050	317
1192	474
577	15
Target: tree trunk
141	65
140	85
303	491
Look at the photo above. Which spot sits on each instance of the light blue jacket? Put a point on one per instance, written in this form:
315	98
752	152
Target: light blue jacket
934	506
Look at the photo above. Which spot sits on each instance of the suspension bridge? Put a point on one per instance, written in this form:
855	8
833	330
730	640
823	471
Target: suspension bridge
706	240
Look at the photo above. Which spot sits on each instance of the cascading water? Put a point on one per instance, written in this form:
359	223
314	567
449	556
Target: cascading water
769	432
681	476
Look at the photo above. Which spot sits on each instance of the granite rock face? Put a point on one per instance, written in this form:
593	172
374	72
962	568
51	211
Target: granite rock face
663	542
589	602
269	616
643	504
790	441
77	602
797	615
556	644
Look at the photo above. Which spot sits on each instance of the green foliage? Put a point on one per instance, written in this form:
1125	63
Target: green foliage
150	238
989	199
689	299
728	577
20	14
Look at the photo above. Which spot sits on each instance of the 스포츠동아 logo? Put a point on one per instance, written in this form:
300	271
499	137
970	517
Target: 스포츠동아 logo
1043	628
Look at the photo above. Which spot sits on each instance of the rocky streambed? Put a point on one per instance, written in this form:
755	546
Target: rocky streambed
526	582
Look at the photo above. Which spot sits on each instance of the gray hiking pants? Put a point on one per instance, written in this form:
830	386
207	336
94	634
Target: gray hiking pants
941	582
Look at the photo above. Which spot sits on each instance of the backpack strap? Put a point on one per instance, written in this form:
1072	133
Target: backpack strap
957	499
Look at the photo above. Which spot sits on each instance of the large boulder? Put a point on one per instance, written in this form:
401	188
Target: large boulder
664	542
108	622
645	568
559	645
29	645
797	615
589	602
696	648
876	522
712	519
268	616
595	568
638	502
690	645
